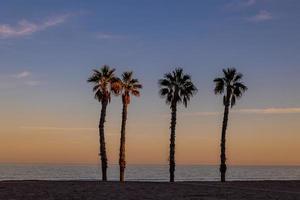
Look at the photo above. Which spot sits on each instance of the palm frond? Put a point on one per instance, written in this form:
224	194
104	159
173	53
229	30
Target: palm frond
233	100
165	82
135	93
94	78
164	91
219	85
241	86
238	77
96	87
127	76
137	86
98	95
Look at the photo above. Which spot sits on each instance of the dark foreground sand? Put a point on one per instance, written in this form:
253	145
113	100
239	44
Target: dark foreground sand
65	190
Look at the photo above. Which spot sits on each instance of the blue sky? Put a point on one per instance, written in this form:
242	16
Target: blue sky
58	42
48	49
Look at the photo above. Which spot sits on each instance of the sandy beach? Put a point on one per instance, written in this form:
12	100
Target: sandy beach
32	190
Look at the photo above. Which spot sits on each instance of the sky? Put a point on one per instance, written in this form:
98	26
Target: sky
48	50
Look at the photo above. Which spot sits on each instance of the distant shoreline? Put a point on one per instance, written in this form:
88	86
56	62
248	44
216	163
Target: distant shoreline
145	181
153	173
166	164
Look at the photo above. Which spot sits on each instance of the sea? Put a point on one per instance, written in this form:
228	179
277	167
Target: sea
145	172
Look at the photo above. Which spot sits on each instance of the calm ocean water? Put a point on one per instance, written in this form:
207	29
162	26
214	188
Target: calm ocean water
146	172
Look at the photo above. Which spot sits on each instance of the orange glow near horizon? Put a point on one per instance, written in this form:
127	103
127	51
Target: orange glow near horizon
262	142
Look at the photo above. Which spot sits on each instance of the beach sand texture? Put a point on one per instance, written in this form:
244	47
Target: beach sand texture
88	190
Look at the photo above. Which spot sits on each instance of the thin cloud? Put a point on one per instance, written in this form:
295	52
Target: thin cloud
106	36
270	111
261	16
51	128
239	4
23	78
250	2
202	114
32	83
23	74
264	111
72	129
25	27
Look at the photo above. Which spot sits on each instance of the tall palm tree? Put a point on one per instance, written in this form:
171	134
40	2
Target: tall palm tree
104	84
231	86
176	87
128	86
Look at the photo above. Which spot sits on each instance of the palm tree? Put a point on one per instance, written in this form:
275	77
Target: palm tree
176	87
104	84
128	86
232	88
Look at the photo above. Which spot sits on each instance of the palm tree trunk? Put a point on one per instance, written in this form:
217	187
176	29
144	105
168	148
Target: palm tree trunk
122	161
223	166
172	142
102	154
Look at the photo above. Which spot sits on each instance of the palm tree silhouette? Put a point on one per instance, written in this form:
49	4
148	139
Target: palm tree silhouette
104	82
176	87
232	88
127	86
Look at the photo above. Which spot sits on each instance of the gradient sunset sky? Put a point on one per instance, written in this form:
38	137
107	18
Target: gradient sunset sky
48	49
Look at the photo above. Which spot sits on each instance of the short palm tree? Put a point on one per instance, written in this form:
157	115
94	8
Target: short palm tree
104	84
128	86
232	88
176	87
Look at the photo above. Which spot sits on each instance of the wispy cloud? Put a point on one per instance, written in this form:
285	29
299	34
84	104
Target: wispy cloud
239	4
56	128
52	128
293	110
23	78
250	2
25	27
106	36
261	16
270	111
32	83
23	74
202	113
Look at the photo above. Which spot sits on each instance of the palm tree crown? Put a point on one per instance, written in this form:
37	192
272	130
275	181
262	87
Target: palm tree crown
177	87
129	86
230	85
104	83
